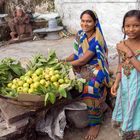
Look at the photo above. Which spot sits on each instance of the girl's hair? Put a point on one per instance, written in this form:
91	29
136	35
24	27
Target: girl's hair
89	12
131	13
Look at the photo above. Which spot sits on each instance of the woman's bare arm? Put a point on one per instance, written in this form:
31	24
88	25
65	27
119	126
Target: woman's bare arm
84	59
70	58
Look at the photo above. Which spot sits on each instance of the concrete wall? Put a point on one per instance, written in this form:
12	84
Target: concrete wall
110	13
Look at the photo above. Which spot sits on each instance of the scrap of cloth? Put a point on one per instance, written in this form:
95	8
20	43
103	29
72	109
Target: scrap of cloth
55	121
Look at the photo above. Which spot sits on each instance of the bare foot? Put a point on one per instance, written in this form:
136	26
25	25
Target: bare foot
93	132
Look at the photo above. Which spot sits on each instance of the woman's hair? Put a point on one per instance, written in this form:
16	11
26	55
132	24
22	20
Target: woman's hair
93	16
89	12
131	13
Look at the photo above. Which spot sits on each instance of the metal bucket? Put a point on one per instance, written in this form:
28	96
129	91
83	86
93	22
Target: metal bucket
52	23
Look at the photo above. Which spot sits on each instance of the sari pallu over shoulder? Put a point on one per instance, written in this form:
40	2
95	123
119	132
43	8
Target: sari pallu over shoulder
81	45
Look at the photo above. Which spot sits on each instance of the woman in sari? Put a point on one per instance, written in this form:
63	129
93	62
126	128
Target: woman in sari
90	59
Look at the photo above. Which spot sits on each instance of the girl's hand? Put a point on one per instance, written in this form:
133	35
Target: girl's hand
114	89
122	47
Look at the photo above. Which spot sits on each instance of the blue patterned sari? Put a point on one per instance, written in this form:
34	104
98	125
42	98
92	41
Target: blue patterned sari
94	92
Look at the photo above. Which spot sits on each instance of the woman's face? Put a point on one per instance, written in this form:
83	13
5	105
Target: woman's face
87	23
132	27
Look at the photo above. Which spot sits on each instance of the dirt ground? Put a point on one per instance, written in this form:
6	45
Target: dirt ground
63	48
106	132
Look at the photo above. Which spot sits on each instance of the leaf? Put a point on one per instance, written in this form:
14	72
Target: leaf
57	66
42	89
63	92
52	97
79	86
16	69
46	98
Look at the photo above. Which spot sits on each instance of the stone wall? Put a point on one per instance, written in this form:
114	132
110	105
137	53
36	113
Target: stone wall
110	13
41	6
8	6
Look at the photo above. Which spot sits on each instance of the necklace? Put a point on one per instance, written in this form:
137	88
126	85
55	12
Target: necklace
88	38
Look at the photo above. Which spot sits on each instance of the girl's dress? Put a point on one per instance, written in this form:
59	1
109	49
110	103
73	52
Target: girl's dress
127	108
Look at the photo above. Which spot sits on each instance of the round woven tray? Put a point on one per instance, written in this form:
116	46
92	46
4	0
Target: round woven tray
39	104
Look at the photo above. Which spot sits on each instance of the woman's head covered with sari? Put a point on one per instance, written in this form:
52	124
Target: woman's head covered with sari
101	47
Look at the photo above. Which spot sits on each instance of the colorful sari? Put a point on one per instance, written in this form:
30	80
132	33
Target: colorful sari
94	92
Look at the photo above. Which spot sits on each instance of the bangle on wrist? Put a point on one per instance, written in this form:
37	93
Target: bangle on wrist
130	55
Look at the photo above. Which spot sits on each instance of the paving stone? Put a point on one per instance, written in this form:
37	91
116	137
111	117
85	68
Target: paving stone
12	113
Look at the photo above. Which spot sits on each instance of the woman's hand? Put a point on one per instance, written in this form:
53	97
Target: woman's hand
114	89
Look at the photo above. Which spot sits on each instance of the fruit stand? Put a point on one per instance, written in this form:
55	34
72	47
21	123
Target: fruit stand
27	94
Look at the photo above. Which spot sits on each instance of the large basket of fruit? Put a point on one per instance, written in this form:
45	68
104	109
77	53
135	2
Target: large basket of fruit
45	81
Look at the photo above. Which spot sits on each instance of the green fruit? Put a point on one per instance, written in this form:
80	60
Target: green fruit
47	77
56	71
26	78
47	84
53	78
13	86
31	90
57	76
42	76
32	85
25	89
36	84
39	71
51	73
34	75
25	85
22	78
29	81
29	73
56	84
9	85
42	82
15	81
19	89
35	79
67	80
20	83
61	81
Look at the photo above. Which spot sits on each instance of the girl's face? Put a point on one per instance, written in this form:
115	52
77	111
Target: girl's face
132	27
87	23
